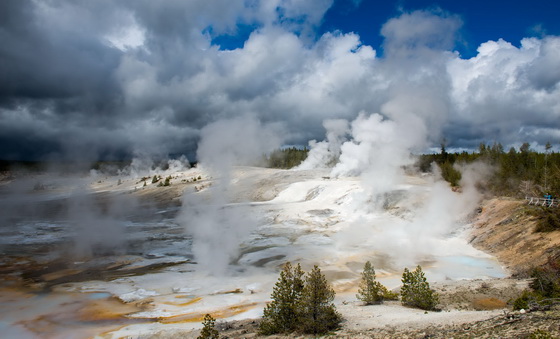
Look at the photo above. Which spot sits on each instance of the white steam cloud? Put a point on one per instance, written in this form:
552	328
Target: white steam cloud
98	224
378	149
216	228
324	154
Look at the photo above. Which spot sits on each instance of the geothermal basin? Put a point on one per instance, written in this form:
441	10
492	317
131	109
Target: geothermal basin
110	256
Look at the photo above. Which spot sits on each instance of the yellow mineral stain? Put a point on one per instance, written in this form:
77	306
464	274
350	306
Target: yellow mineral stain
182	296
190	302
235	291
105	310
198	317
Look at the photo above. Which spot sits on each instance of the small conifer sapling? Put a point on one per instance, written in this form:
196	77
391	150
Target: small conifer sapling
317	313
208	328
371	291
281	314
416	290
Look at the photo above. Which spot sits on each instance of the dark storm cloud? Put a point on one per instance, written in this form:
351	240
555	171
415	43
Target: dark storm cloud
40	61
108	78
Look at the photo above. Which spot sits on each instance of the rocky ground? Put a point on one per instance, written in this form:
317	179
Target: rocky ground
504	324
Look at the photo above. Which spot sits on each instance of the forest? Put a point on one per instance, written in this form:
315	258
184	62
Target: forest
515	173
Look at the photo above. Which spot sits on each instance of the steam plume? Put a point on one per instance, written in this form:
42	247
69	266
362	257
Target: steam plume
218	229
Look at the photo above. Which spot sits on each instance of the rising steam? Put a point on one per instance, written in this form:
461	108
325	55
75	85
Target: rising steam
217	229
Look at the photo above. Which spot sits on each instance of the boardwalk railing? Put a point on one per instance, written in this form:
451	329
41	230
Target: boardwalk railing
542	201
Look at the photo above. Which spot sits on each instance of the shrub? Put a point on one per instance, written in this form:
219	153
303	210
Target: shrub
541	334
548	219
371	291
450	174
208	330
167	181
522	302
155	179
280	315
546	279
317	313
416	290
545	285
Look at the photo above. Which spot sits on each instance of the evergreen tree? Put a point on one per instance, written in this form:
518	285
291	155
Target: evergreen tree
317	313
280	315
371	291
208	331
416	290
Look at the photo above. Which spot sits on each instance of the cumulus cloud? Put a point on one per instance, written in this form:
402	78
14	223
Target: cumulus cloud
503	93
420	31
114	78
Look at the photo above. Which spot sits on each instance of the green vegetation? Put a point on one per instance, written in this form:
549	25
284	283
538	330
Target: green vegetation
517	172
545	286
541	334
371	291
316	312
280	316
300	305
527	297
546	279
416	290
286	158
167	182
548	219
208	330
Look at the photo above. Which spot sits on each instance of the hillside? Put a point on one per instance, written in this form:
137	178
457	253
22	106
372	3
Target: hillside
505	229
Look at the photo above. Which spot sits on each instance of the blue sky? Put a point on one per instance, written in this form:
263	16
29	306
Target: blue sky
113	79
482	20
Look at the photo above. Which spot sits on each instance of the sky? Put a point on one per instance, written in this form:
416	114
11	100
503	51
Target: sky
88	80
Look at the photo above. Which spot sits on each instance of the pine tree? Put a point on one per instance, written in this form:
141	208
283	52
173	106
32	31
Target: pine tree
280	315
208	331
371	291
317	313
416	290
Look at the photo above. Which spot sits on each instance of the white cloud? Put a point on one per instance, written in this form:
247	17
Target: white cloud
505	88
165	74
419	31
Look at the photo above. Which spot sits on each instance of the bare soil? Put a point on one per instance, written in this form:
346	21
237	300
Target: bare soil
505	229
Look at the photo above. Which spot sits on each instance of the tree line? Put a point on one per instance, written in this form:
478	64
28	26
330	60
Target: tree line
516	173
286	158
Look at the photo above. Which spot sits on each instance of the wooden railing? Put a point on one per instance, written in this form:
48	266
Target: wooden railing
542	201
